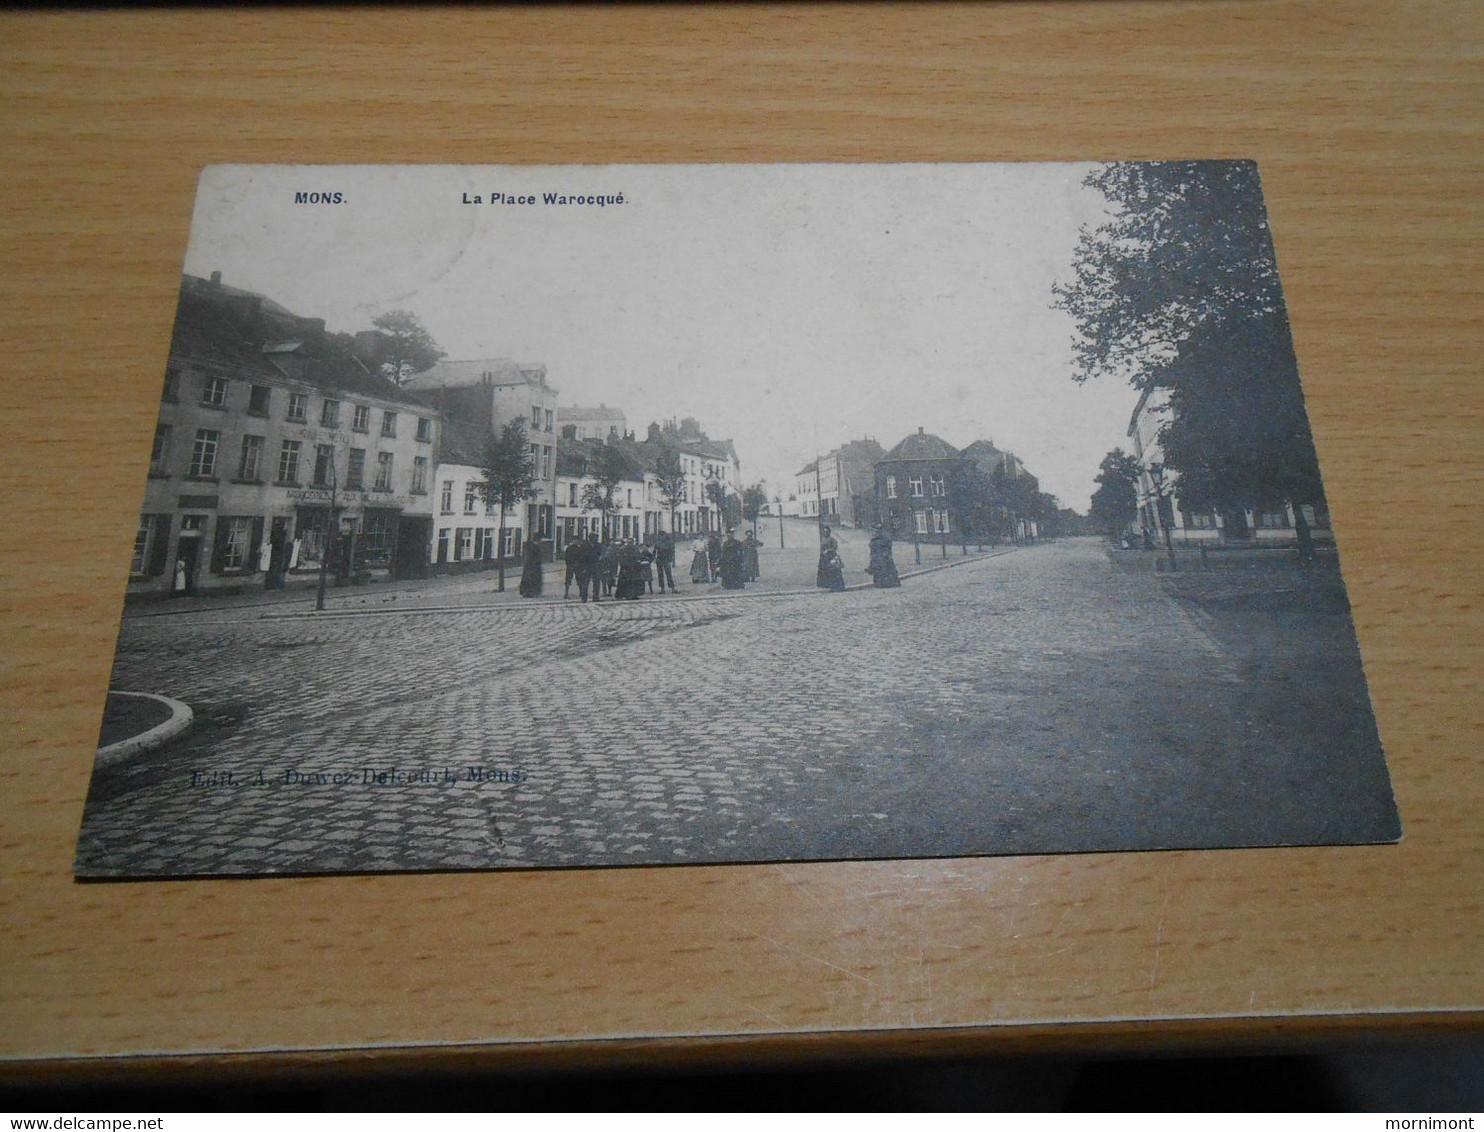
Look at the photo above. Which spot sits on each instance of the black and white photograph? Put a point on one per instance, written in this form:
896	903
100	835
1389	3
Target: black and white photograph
575	516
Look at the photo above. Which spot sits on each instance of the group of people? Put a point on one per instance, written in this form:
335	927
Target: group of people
831	572
624	568
733	562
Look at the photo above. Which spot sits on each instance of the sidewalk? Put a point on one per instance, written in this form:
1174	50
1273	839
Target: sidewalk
785	571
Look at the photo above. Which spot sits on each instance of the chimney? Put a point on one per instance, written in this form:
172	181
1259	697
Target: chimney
919	430
216	278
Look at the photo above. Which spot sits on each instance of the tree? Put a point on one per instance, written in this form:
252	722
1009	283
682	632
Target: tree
607	469
508	477
1179	290
1116	501
404	346
723	500
754	499
669	475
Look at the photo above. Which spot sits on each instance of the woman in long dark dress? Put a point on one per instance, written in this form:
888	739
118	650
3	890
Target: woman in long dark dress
883	567
530	571
733	563
630	583
831	573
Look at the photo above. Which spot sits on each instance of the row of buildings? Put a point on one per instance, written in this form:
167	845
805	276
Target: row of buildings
281	450
922	486
1161	507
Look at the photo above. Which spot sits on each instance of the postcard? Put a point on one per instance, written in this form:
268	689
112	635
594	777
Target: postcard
575	516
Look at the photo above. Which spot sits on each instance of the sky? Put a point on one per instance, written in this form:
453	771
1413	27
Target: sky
789	308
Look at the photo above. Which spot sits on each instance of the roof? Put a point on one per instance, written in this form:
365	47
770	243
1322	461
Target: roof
574	457
922	445
472	371
254	338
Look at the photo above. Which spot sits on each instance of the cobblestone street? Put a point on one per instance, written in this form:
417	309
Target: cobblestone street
1037	700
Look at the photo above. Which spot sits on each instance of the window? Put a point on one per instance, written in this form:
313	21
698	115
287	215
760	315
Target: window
535	418
466	544
329	416
419	475
424	429
914	485
471	496
259	397
376	535
572	494
203	454
214	393
891	487
249	467
940	520
511	545
442	544
445	501
361	419
171	391
1271	520
288	462
143	543
160	453
937	485
383	471
484	543
550	421
922	521
546	461
355	471
388	424
298	407
237	549
324	464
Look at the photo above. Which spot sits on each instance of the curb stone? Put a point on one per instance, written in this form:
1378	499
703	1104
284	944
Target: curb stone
181	717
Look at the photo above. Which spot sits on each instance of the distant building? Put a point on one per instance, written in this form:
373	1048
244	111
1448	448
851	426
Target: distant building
846	482
578	422
467	531
1161	504
277	450
486	394
913	483
705	462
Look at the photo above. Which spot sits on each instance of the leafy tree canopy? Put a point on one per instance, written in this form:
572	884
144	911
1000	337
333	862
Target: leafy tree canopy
405	347
1179	290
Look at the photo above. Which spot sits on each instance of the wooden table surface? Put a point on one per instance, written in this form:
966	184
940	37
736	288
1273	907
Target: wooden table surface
1366	120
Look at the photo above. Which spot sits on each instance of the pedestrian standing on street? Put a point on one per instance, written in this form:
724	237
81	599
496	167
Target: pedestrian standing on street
608	567
831	572
700	562
530	572
883	567
733	563
630	579
572	556
587	569
751	545
664	559
646	566
713	556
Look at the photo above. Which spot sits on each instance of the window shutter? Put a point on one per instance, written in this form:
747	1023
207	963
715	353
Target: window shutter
255	557
159	550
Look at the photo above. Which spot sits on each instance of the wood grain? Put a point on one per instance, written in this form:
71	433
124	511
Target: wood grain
1365	118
